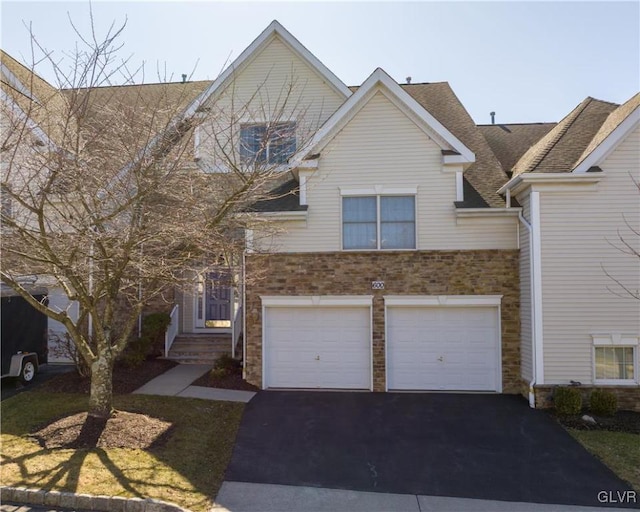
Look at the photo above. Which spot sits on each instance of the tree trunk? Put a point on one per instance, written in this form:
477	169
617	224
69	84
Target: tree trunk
101	398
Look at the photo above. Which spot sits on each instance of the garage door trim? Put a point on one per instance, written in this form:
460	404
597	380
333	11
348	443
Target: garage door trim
283	301
444	301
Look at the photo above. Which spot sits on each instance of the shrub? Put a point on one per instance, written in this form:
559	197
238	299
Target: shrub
567	401
150	343
154	326
603	403
225	365
65	347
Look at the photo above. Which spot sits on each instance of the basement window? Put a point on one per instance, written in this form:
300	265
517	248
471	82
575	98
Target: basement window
615	359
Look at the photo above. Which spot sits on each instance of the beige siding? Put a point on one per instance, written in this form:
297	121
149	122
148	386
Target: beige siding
382	146
187	309
578	231
275	85
526	359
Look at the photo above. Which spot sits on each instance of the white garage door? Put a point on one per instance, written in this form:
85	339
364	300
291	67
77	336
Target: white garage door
443	348
317	347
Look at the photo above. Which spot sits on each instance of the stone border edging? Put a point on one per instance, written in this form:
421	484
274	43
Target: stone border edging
85	501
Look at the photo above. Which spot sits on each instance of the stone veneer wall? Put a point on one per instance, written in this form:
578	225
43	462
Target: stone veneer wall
483	272
628	396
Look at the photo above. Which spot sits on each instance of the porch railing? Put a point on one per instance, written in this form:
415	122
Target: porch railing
236	331
172	330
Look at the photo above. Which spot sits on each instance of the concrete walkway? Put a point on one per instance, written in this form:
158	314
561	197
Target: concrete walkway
246	497
177	382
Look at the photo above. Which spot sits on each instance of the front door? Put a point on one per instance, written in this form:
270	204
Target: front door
213	301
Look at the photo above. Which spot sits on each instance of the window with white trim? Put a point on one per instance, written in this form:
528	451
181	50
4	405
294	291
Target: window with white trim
379	222
615	358
267	143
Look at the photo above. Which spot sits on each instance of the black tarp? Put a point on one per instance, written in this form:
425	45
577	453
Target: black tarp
22	327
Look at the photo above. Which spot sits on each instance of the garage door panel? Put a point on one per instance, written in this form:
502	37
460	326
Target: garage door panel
443	348
325	347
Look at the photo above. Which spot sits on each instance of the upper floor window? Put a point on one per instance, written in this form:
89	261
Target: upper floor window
379	222
265	143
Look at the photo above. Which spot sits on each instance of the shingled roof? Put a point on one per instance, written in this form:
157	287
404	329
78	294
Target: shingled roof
485	175
510	141
561	147
283	198
611	123
39	100
164	100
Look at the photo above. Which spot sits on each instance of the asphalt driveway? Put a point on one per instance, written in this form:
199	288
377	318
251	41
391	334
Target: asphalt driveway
471	446
12	386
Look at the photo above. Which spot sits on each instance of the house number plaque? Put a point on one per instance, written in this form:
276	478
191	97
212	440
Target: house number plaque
377	285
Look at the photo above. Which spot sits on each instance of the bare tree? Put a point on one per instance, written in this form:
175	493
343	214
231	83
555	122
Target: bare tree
102	190
627	242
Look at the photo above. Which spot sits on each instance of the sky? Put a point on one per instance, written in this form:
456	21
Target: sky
527	61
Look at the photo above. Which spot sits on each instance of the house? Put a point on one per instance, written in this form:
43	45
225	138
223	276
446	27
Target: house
422	252
27	95
405	248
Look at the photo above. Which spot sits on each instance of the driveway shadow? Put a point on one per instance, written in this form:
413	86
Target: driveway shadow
460	445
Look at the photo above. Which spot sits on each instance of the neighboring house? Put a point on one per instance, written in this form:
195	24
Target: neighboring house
415	250
26	95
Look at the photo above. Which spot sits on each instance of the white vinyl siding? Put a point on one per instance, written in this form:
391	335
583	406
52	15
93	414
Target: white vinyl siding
526	359
273	80
381	146
579	230
58	301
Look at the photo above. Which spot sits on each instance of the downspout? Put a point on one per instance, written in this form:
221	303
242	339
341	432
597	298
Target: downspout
244	314
89	317
532	383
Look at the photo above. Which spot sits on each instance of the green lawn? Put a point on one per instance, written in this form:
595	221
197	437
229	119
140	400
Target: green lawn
187	470
618	450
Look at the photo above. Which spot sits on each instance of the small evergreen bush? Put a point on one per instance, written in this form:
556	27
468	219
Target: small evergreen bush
603	402
567	401
150	343
226	363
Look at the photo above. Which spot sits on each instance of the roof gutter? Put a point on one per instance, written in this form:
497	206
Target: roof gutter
519	182
488	212
292	215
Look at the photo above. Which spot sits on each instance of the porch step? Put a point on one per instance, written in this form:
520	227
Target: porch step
199	348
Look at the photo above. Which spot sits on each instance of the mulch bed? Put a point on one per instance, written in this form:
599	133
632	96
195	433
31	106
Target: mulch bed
622	421
232	379
126	379
122	430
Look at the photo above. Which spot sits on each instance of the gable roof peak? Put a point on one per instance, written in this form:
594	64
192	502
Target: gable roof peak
414	110
274	28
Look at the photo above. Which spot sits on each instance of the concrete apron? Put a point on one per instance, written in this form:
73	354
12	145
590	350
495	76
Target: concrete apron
248	497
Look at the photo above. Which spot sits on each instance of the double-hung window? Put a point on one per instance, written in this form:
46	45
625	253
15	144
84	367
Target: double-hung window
379	222
267	143
615	359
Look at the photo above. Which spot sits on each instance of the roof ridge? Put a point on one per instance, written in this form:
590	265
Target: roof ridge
518	124
551	143
102	87
598	137
604	101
